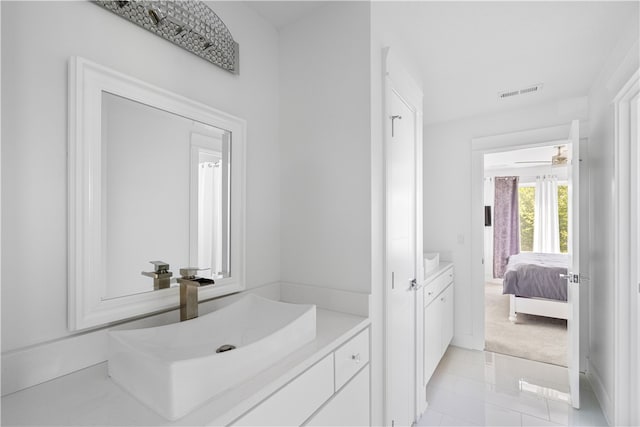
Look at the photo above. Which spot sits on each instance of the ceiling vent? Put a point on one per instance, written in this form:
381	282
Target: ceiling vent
529	89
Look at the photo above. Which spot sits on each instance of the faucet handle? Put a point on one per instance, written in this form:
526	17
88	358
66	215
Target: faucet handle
190	272
160	266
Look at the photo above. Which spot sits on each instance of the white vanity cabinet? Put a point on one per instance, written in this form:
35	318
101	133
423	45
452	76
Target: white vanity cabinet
334	391
348	407
438	317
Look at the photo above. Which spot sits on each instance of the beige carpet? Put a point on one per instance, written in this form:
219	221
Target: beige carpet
532	337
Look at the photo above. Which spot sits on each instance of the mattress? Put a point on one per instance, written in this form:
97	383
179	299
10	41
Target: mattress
532	274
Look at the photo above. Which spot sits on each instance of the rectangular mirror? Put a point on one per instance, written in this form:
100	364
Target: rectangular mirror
152	176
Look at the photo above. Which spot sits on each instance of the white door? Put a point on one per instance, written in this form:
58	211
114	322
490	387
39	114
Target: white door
635	250
400	259
573	294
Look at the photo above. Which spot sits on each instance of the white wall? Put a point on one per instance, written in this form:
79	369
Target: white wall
38	39
447	190
621	64
326	149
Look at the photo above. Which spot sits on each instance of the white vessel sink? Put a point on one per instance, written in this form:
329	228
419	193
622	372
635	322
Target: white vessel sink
175	368
431	262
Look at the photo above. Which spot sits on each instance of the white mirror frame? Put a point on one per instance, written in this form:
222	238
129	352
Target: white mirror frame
87	221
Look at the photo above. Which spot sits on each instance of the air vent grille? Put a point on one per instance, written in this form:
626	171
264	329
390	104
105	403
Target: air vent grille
529	89
508	94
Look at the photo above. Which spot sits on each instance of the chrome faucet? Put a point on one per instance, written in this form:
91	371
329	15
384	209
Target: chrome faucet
161	275
189	291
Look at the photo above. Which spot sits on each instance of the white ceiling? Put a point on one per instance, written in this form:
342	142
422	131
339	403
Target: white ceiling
467	52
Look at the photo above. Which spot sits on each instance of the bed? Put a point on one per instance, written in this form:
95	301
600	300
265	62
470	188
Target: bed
533	282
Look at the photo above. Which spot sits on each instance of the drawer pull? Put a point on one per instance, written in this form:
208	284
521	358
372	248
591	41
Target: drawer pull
356	357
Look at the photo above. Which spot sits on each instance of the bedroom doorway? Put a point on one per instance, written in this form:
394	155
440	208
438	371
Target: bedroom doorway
567	135
538	178
534	183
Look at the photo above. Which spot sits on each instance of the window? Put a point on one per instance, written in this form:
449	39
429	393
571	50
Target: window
563	216
526	205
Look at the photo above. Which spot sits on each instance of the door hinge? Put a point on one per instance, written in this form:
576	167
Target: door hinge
414	284
393	423
393	280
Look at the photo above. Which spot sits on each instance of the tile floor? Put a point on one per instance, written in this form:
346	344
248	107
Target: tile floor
476	388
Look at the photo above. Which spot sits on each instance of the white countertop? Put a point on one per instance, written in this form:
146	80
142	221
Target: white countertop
89	397
442	266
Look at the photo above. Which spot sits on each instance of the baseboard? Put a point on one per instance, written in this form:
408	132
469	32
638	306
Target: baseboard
470	342
33	365
600	391
330	299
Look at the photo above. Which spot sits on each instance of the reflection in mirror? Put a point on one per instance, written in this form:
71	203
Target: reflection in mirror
167	182
153	176
210	230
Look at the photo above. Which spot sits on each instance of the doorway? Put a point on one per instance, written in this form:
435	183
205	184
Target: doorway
556	135
535	182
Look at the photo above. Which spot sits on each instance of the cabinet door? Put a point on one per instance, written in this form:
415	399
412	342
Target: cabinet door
349	407
293	403
432	338
446	301
351	357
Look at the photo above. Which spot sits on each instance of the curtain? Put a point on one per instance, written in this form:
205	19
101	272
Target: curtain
506	223
209	218
546	226
488	230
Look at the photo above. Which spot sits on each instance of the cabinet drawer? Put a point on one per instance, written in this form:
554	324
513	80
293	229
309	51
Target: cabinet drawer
292	404
349	407
351	357
437	285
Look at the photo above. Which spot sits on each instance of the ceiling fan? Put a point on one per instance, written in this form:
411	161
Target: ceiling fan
560	158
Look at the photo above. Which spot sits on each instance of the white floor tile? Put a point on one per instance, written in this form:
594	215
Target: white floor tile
430	418
520	402
559	412
442	400
471	388
481	388
475	411
529	421
443	380
587	415
448	420
496	416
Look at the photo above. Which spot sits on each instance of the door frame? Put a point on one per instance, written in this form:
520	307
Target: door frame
506	142
396	79
626	313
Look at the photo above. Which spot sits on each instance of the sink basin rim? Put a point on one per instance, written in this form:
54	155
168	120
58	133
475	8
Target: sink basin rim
175	387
